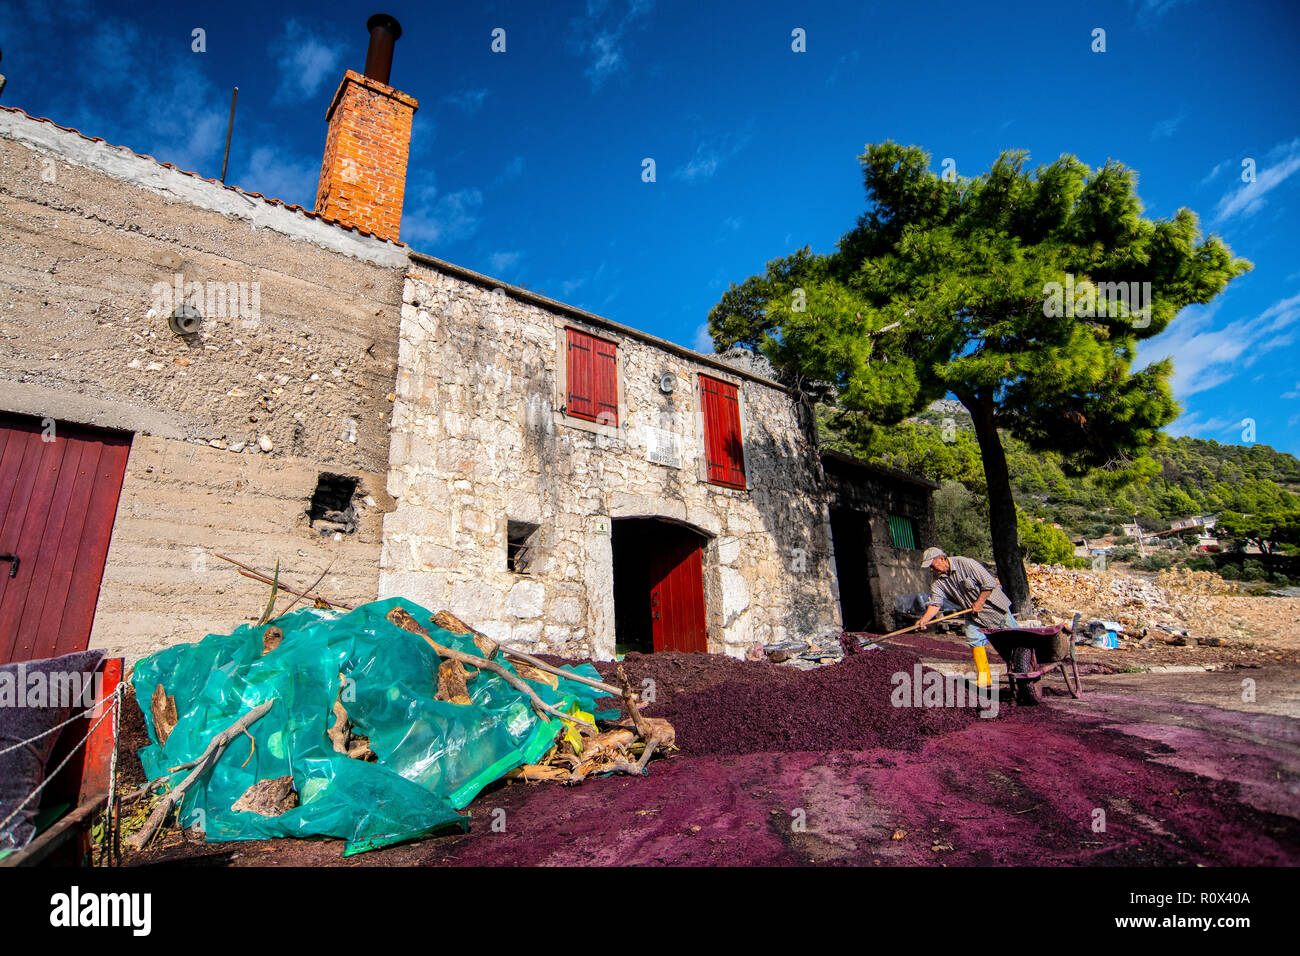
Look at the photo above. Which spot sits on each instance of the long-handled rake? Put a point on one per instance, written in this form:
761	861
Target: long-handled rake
874	638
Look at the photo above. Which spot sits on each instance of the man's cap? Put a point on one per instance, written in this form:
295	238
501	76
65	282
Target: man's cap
927	559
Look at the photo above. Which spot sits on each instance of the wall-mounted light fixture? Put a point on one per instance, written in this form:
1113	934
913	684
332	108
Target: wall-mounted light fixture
185	319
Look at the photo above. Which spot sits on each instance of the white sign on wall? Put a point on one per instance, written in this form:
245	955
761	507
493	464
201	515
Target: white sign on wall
663	447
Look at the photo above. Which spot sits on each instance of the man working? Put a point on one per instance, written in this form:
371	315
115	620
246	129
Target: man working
967	583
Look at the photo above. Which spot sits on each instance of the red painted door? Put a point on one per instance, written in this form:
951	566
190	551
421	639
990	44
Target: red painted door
58	497
677	593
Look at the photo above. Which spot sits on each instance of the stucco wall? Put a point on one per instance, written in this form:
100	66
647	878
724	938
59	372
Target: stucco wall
181	504
82	255
232	423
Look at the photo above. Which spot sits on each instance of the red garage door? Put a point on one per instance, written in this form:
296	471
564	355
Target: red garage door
58	496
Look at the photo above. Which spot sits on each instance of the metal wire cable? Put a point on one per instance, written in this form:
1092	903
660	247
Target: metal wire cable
49	777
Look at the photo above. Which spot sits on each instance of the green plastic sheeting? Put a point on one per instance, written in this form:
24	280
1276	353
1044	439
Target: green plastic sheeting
433	756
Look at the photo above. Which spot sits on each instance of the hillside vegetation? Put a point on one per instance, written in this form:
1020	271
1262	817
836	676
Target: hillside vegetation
1196	476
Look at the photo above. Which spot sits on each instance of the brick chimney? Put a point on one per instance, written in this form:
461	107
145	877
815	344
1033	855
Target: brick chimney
363	175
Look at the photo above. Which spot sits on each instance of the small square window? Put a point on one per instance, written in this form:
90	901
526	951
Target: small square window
521	540
902	532
331	504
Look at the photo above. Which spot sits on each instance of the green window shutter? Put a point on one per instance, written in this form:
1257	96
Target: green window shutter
902	532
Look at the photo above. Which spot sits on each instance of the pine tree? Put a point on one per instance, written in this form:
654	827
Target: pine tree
1002	291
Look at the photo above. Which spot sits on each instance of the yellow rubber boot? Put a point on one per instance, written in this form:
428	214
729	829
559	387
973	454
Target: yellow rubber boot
984	677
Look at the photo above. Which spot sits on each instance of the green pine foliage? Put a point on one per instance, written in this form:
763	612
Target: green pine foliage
1191	476
946	287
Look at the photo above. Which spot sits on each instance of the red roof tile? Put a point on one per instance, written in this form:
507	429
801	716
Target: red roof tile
216	182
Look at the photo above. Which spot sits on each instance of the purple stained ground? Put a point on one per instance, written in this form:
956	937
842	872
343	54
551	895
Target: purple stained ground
777	766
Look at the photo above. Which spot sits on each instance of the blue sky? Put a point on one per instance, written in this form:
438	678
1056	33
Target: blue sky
527	164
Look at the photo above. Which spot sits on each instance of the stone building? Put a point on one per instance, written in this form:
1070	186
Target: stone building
188	369
549	523
881	519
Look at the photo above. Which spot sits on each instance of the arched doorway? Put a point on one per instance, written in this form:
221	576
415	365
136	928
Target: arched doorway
658	586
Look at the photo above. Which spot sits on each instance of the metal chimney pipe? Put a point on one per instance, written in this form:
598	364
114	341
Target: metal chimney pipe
384	32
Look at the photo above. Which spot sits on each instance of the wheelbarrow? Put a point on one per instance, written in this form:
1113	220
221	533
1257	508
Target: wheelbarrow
1033	652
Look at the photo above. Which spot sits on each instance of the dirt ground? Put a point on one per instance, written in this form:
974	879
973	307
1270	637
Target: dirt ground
1155	768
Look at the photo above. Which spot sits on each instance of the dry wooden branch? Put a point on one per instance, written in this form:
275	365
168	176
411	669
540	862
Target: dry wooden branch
165	718
256	575
528	672
541	665
271	639
270	603
453	683
148	787
403	619
450	622
214	750
629	697
304	592
532	772
649	750
517	683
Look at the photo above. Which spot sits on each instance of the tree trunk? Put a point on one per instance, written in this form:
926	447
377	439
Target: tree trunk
1002	507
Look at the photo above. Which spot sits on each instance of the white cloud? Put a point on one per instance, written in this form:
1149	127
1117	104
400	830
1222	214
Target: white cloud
471	101
712	153
113	42
703	341
1218	168
151	98
500	262
601	277
1150	10
514	169
847	63
272	173
1192	425
1166	128
449	218
600	35
1205	357
306	62
1247	199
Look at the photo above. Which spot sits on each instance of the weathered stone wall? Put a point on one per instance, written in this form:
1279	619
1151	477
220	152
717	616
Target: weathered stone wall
291	378
479	440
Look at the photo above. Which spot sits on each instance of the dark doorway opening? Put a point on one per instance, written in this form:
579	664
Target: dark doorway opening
658	587
851	536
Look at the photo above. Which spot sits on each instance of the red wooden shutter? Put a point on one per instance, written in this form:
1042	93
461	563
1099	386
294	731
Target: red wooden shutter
593	378
606	354
724	448
581	399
